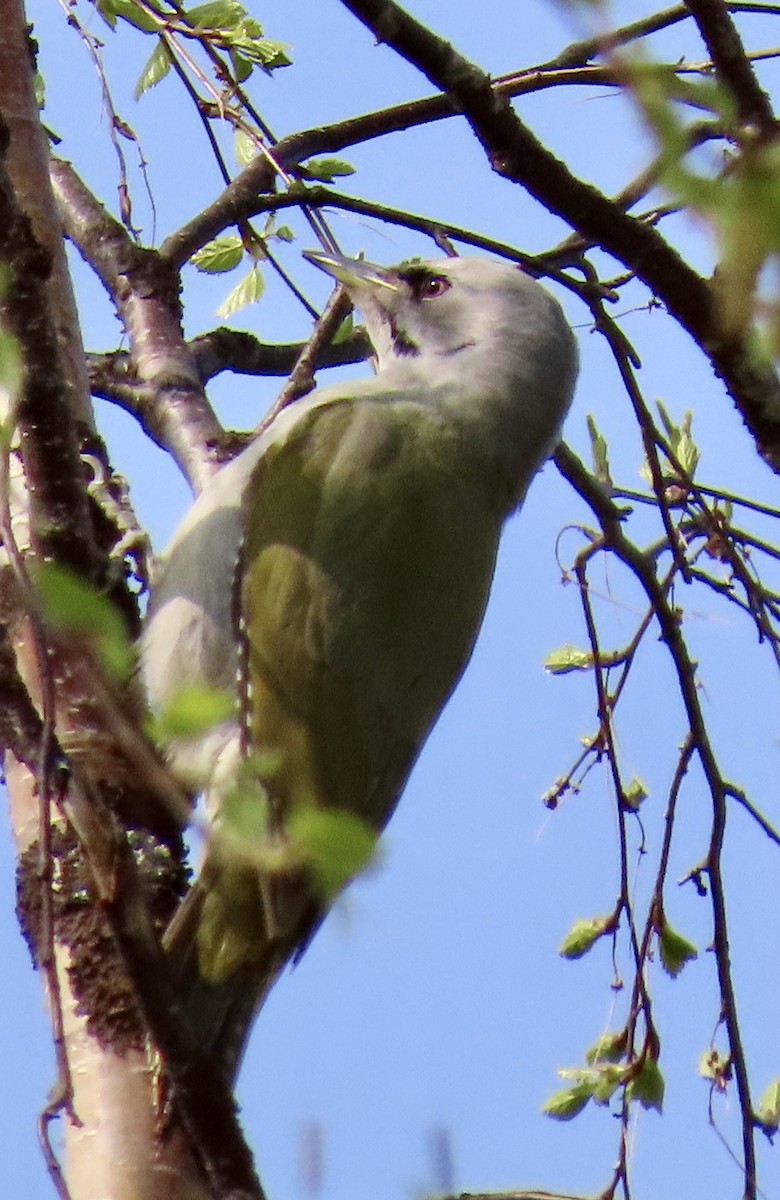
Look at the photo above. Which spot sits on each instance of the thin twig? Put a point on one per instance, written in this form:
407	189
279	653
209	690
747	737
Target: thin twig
685	670
301	378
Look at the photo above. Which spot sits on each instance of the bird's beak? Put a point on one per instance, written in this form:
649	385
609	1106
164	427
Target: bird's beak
352	272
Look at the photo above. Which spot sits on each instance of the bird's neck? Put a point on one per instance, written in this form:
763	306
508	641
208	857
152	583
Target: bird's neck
505	406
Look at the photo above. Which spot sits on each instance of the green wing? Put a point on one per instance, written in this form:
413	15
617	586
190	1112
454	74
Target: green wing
369	546
368	553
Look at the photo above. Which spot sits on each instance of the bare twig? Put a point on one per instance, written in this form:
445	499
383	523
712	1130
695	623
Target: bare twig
301	378
641	567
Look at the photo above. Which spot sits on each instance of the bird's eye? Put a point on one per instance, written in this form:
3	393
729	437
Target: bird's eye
433	286
424	285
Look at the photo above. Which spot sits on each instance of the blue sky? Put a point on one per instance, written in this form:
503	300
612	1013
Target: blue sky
434	997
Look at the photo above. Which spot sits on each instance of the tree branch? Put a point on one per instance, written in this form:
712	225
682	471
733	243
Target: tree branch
144	287
724	45
569	67
50	446
515	153
580	53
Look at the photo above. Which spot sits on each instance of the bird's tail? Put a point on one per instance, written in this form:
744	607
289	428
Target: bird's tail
223	995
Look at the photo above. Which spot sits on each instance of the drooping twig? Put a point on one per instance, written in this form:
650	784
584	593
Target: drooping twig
685	669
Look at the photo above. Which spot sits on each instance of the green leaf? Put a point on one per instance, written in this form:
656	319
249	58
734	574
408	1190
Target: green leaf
158	64
599	455
74	609
220	255
232	29
679	437
609	1079
242	828
249	290
344	329
242	67
244	147
768	1111
610	1047
11	367
568	658
194	711
634	794
260	51
216	14
681	443
129	11
713	1065
648	1085
567	1103
284	234
336	845
584	934
675	950
326	169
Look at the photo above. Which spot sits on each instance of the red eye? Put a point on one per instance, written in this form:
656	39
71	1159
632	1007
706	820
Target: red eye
436	285
423	284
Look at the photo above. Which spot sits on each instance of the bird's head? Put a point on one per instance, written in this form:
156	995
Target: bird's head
480	340
455	317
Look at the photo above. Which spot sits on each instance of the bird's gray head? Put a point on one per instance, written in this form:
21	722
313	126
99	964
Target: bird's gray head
475	329
442	309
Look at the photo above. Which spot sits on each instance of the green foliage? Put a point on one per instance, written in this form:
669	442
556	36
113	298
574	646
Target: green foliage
568	658
599	455
634	794
675	950
230	27
680	441
247	291
748	181
335	844
584	934
597	1083
193	712
11	366
681	444
243	819
271	230
567	1103
325	169
226	252
647	1085
222	254
610	1047
156	67
768	1111
73	609
225	23
245	146
128	10
715	1067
